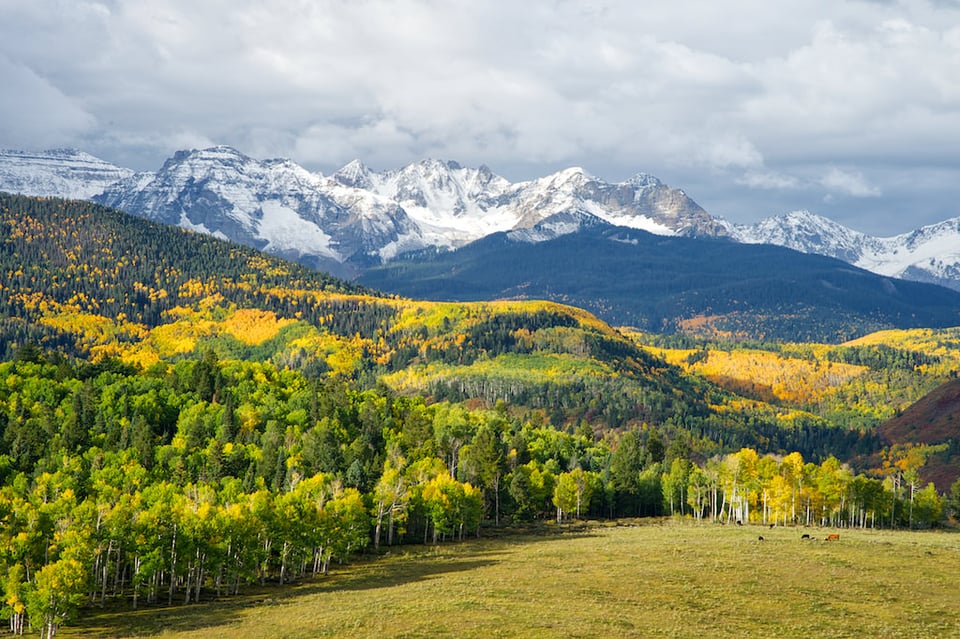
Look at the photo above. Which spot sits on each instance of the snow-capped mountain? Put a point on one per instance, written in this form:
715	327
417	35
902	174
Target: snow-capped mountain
357	216
453	205
929	254
808	233
66	173
273	205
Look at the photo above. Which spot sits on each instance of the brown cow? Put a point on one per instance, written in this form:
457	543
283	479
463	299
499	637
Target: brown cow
833	537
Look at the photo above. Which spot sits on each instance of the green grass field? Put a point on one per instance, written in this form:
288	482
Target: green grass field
666	579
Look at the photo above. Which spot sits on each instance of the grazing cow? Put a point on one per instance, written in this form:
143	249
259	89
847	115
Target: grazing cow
739	523
760	538
833	537
804	536
771	526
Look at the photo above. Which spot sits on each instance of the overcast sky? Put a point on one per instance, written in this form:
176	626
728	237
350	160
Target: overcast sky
753	107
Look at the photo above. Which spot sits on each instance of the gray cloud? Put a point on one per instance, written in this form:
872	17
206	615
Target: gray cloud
751	107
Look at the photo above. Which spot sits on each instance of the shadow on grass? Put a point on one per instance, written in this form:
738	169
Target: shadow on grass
395	567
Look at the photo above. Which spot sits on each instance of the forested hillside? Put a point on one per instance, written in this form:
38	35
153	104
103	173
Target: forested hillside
713	288
78	260
895	383
120	287
180	416
191	479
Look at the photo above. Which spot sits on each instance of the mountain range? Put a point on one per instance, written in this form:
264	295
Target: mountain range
66	173
127	294
358	222
928	254
356	217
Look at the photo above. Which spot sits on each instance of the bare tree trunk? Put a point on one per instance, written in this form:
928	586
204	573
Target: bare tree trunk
103	576
283	564
173	566
136	583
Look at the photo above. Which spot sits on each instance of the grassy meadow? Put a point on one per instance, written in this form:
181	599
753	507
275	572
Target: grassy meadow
667	579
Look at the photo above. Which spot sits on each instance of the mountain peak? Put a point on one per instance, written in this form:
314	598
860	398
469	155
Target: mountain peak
571	172
642	180
354	173
803	223
807	232
219	152
570	177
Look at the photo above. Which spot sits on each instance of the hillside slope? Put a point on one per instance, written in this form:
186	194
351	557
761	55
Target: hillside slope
125	288
934	420
677	284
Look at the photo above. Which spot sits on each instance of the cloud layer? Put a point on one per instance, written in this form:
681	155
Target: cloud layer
851	109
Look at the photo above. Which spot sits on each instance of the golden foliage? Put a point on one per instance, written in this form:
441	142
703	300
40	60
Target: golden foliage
763	374
253	326
943	343
181	337
93	330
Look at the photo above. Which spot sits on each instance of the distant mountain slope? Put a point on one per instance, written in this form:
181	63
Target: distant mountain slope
933	420
928	254
657	283
83	258
67	173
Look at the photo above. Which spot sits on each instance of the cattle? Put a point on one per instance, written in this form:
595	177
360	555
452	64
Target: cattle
833	537
760	538
804	536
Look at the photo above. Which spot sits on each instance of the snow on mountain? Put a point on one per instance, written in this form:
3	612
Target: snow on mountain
451	205
273	205
357	216
556	225
808	233
66	173
354	174
929	254
643	202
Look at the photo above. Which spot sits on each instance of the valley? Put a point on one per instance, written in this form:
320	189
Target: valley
480	319
184	418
